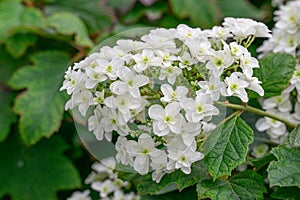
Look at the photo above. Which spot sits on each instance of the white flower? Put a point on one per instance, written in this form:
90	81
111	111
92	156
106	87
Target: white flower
161	38
142	150
218	62
167	58
94	77
218	32
184	159
99	97
130	82
212	87
104	188
106	165
109	68
236	87
112	121
199	109
237	50
166	120
254	83
186	33
80	195
94	124
145	60
84	99
170	73
281	102
274	128
200	51
73	81
171	95
131	45
122	154
186	60
123	103
241	28
189	131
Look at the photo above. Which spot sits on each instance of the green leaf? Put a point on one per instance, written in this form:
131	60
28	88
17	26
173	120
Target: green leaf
245	185
7	117
92	12
240	8
293	138
201	12
37	172
10	11
275	72
17	44
261	162
176	180
187	194
68	23
285	171
227	146
33	17
286	193
8	65
41	107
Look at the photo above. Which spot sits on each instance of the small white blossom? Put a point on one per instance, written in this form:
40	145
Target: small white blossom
218	62
171	95
80	196
199	109
166	120
236	87
145	60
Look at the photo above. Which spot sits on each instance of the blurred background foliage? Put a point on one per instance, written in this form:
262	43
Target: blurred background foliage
41	156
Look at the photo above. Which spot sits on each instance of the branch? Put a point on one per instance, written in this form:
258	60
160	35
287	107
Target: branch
256	111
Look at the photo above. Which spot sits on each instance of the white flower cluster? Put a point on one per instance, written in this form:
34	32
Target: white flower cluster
285	38
105	180
155	96
286	33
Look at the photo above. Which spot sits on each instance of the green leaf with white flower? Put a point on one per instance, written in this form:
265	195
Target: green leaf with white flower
38	172
285	171
246	185
227	146
41	107
169	182
67	23
275	72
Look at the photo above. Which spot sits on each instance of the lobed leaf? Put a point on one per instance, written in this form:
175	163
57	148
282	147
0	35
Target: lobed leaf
293	138
275	72
200	12
37	172
285	172
10	16
41	107
286	193
17	44
245	185
227	146
7	117
68	23
94	14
